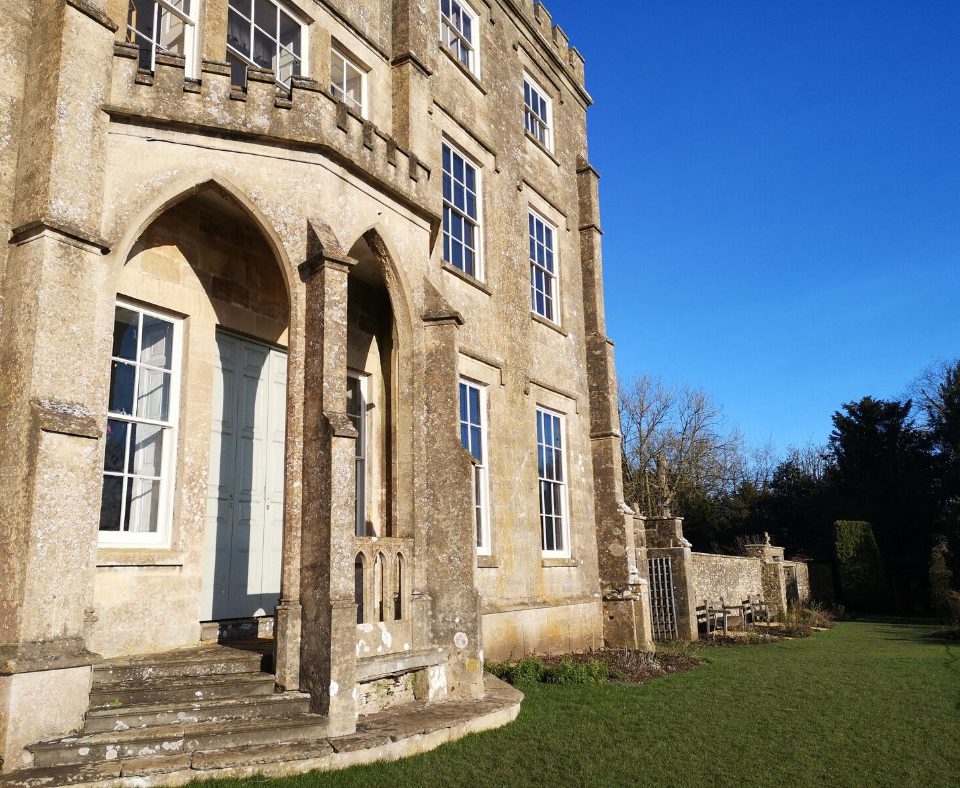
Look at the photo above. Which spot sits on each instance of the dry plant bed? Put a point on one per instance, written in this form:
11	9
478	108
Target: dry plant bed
631	667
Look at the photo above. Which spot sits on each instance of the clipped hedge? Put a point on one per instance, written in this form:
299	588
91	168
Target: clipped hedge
859	568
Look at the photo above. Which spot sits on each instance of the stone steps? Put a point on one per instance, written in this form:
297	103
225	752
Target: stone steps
213	660
384	736
122	695
174	739
218	710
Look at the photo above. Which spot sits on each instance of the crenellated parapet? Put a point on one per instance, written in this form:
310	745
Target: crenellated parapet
304	117
555	38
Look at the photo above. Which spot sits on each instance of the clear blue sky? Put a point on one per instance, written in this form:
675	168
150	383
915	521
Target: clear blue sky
781	196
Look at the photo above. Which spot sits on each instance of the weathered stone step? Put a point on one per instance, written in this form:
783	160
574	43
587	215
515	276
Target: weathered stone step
121	695
169	740
229	709
204	661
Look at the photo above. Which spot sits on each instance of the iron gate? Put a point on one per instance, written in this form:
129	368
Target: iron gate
662	608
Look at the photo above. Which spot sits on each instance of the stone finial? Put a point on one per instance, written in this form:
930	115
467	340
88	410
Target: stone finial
664	495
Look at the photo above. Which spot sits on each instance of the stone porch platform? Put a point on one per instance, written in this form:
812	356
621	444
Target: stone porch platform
396	733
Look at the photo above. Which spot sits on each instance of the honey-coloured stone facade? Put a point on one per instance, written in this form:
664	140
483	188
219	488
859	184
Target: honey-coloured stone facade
275	214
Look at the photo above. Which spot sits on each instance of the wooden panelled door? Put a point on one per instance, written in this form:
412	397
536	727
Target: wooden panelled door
244	536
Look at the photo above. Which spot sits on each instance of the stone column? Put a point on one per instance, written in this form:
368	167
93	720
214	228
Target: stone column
289	611
626	614
665	540
329	614
54	346
444	545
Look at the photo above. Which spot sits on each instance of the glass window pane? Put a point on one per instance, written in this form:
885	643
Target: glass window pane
143	506
121	388
153	398
146	450
354	83
238	33
140	17
243	6
157	350
287	65
476	446
290	33
125	333
116	440
172	33
264	49
110	503
265	15
457	168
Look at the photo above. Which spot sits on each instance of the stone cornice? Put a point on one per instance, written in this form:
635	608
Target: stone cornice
33	228
90	10
443	315
412	59
65	418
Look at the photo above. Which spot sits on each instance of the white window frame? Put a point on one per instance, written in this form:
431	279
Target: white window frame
562	483
531	114
554	276
479	272
169	446
340	93
294	14
481	483
450	34
360	480
189	20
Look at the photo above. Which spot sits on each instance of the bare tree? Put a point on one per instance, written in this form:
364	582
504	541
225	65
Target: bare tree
683	431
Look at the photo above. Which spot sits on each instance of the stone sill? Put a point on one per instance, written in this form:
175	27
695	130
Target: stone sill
487	562
548	323
543	148
466	71
550	563
466	278
119	557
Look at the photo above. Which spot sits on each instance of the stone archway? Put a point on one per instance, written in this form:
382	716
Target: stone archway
205	265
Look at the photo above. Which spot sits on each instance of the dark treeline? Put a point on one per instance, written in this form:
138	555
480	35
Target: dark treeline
893	463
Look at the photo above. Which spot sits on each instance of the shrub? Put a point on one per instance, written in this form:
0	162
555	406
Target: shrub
801	620
862	581
531	670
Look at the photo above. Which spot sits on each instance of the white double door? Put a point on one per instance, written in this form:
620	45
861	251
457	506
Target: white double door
244	538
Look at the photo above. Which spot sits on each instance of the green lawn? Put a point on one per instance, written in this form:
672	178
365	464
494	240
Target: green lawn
865	703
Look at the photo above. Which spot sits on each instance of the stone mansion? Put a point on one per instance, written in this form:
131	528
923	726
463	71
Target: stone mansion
303	343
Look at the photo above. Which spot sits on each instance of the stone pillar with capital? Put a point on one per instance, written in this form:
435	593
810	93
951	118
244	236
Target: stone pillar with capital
665	539
445	537
772	578
54	334
328	610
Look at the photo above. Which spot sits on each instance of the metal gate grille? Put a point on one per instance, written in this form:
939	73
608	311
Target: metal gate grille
662	608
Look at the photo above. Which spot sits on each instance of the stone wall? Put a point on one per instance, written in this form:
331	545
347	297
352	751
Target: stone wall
14	38
732	578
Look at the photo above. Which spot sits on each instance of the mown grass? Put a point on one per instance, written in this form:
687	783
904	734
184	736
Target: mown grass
866	703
